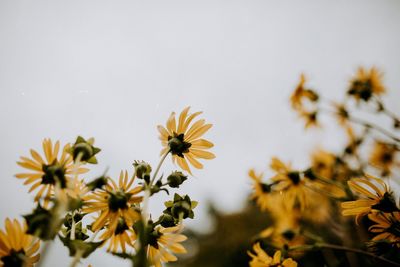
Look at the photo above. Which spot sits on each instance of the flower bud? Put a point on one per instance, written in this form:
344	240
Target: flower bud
176	178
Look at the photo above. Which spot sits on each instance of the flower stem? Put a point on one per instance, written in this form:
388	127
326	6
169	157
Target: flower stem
76	258
375	127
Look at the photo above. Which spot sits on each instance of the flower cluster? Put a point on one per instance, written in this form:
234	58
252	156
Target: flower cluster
116	211
309	207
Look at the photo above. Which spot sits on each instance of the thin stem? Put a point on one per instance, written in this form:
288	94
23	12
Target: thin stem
342	248
73	226
158	167
375	127
148	188
76	258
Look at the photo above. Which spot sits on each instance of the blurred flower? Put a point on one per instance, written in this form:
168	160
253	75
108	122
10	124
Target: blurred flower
17	248
48	172
301	93
114	202
342	115
119	236
366	84
262	191
310	118
261	259
184	142
387	226
323	162
289	184
383	157
376	197
163	242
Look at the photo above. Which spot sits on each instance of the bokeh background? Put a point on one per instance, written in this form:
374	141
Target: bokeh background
114	70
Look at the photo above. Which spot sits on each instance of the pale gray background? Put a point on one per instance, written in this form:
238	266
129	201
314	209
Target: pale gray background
116	69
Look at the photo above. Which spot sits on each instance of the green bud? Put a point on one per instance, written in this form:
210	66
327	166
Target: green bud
142	169
85	149
176	178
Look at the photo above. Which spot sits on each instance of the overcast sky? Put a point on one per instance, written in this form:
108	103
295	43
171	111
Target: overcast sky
116	69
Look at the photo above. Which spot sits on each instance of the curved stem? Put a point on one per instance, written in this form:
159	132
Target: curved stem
158	167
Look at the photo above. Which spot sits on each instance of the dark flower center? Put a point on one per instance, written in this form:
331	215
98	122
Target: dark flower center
387	157
153	237
121	226
118	200
294	177
14	259
394	228
54	173
362	89
266	188
288	234
386	204
177	145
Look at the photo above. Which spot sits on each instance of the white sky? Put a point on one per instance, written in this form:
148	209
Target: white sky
115	69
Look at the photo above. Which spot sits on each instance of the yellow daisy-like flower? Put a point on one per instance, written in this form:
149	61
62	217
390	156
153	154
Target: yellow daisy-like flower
115	202
366	84
17	249
48	171
383	157
301	93
374	196
261	259
163	243
183	140
290	184
387	226
262	192
119	236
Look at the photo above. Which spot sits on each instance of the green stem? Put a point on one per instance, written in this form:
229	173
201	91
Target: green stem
158	167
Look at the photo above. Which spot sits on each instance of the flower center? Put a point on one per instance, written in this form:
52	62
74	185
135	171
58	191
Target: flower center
294	177
177	144
386	204
118	200
54	173
266	188
14	259
394	228
362	88
121	226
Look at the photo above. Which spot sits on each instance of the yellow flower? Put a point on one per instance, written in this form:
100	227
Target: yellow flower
163	243
375	197
301	93
115	202
310	118
289	183
261	259
17	248
387	226
383	157
119	236
183	140
366	84
46	172
262	192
